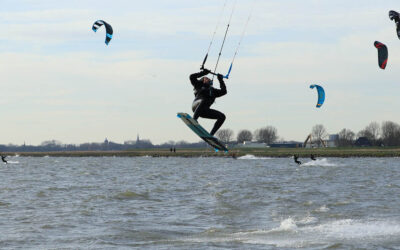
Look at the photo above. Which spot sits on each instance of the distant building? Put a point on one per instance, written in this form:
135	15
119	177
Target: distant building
332	141
139	143
311	145
252	144
363	142
130	142
286	145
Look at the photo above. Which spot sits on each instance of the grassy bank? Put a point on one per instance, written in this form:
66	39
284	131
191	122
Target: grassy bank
266	152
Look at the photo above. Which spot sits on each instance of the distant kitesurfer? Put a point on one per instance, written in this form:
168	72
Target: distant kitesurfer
205	96
296	159
3	158
313	157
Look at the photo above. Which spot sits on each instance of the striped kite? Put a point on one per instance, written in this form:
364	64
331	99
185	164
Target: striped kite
109	30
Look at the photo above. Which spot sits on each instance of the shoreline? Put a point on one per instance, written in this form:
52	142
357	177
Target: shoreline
235	152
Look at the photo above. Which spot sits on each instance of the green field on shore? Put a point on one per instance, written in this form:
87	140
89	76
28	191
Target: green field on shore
208	152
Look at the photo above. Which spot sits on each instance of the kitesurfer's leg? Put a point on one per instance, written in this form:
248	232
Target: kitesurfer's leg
295	157
200	109
214	114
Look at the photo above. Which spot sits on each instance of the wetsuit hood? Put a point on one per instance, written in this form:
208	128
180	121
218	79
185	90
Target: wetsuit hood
209	83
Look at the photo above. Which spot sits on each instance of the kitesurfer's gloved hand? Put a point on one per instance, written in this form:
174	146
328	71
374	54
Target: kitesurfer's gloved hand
220	77
207	71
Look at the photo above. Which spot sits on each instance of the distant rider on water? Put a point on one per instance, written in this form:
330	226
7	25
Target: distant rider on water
296	157
313	157
205	96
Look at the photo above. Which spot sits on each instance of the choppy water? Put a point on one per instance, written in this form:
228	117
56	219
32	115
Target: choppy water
199	203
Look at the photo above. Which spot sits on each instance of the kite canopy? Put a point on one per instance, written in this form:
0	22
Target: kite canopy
382	54
321	94
395	16
109	30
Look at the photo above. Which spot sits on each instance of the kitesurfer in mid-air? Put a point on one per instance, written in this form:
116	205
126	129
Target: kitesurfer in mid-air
205	96
3	158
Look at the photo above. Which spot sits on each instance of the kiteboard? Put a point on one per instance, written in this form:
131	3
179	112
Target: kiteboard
201	132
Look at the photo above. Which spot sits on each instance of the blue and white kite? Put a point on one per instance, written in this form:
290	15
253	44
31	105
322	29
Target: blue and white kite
321	94
109	30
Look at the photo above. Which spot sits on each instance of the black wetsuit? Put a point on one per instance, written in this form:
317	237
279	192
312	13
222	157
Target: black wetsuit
295	159
205	97
313	158
3	158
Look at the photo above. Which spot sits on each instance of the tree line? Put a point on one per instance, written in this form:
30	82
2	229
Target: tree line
57	146
385	134
268	135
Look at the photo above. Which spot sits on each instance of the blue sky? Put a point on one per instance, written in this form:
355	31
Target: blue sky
60	81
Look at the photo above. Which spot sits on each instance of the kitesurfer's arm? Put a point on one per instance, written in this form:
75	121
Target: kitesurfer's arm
222	91
194	78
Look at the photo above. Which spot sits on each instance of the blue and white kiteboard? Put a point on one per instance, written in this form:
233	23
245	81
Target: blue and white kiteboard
201	132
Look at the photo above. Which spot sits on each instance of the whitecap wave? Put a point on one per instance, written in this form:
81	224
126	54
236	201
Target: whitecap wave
320	162
287	225
356	229
307	220
323	209
293	233
12	162
252	157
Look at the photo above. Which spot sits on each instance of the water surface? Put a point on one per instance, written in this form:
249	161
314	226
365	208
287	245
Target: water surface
200	203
